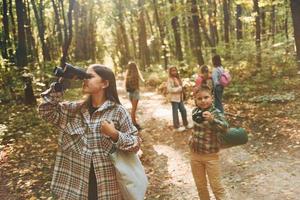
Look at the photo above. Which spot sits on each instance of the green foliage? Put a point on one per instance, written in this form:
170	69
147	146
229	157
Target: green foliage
274	98
155	75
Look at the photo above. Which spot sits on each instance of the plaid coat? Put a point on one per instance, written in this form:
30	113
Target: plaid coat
80	142
204	138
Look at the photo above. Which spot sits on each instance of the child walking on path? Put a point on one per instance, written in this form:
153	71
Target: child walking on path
204	78
208	123
174	87
217	87
133	75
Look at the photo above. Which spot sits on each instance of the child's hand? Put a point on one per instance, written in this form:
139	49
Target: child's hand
208	116
108	129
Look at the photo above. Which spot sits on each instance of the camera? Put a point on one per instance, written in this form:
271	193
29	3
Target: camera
197	115
71	72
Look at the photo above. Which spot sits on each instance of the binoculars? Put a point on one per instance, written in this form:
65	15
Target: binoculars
71	72
68	73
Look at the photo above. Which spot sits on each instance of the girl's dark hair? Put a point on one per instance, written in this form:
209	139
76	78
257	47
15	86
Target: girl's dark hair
107	74
216	60
204	69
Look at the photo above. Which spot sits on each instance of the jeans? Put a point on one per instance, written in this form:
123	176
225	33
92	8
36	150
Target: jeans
218	93
175	107
207	164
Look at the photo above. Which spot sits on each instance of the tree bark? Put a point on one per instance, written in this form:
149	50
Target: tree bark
57	23
226	20
286	25
273	23
197	36
176	31
68	34
239	24
212	24
21	51
257	34
124	50
144	53
41	28
5	39
295	9
13	24
161	34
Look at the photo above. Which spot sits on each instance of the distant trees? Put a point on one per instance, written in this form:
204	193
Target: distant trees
295	8
37	34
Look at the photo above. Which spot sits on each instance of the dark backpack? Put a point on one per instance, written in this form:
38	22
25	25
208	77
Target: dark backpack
233	137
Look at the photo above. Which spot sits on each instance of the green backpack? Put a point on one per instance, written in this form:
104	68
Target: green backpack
233	137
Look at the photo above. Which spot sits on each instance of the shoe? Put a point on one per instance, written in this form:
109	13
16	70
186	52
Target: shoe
180	129
191	125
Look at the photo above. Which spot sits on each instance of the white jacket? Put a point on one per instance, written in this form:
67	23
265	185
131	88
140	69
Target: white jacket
175	92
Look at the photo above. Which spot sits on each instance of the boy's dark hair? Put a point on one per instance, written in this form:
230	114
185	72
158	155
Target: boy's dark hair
216	60
203	88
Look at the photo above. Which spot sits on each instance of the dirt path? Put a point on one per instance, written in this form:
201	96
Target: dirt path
246	174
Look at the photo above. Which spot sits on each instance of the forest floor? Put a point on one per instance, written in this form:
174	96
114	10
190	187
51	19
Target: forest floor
266	168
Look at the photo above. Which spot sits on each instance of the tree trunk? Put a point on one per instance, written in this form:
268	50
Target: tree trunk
295	8
13	24
257	35
41	28
125	51
133	40
68	34
28	91
144	53
176	31
286	22
212	24
197	36
30	43
215	27
273	23
5	39
205	31
21	51
263	22
226	21
57	23
161	34
239	24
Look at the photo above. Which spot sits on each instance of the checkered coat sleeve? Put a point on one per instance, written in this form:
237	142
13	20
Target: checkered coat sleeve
81	142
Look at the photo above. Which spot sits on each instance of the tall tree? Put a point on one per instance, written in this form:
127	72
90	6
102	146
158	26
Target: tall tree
39	18
124	50
68	32
21	52
239	24
273	23
197	36
212	23
257	34
144	53
161	34
57	29
295	8
226	12
5	39
176	31
13	23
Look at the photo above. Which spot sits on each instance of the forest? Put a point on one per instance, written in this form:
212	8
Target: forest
258	40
